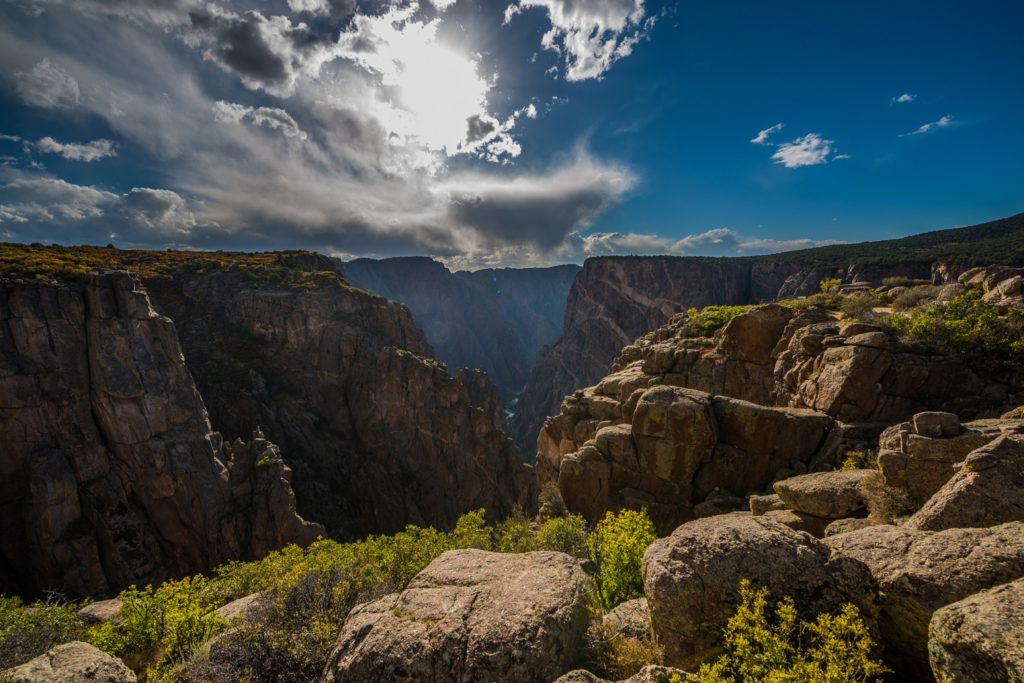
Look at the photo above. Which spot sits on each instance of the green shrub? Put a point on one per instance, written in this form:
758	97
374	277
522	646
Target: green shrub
912	298
825	286
704	322
832	649
617	545
159	629
27	631
564	534
968	327
859	305
859	460
515	534
549	502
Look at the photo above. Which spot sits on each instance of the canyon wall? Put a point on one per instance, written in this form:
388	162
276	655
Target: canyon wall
111	472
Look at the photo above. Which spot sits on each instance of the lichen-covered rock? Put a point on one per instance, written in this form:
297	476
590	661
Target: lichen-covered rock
980	639
652	673
692	578
920	464
799	521
101	611
988	489
829	495
917	572
471	616
843	526
762	504
72	662
631	619
683	448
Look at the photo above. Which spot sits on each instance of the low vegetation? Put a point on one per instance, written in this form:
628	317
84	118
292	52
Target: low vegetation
164	632
294	269
704	322
760	648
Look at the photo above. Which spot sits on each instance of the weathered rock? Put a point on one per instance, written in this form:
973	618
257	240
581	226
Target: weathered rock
692	577
72	662
652	673
799	521
917	572
239	609
762	504
936	424
112	473
101	611
829	495
843	526
980	639
631	619
471	616
920	465
987	490
682	447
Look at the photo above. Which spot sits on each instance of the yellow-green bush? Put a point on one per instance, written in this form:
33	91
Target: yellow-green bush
159	628
27	631
835	648
617	545
703	322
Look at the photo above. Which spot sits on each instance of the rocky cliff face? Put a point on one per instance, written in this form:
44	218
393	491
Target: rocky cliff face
616	299
806	384
495	320
377	432
112	473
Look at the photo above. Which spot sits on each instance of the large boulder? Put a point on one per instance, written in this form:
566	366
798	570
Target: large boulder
471	615
691	578
831	495
652	673
631	619
917	572
988	489
72	662
981	638
913	458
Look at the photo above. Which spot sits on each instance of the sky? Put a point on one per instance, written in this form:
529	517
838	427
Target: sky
506	132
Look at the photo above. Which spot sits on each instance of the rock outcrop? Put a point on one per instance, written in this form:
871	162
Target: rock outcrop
921	464
918	572
631	619
377	433
495	320
829	495
798	371
986	490
471	616
652	673
981	638
622	444
72	662
111	471
692	578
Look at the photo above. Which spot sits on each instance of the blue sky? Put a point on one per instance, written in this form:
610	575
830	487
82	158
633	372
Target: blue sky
505	133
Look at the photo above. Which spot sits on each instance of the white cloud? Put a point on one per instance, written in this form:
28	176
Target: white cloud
905	98
944	122
47	85
274	118
88	151
591	35
809	150
762	136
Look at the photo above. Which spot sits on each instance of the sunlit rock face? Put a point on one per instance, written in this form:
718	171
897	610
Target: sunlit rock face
614	300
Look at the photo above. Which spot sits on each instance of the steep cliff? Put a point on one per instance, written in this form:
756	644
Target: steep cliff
495	320
616	299
377	432
111	473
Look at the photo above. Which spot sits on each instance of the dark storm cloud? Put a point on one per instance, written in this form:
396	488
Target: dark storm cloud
478	128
